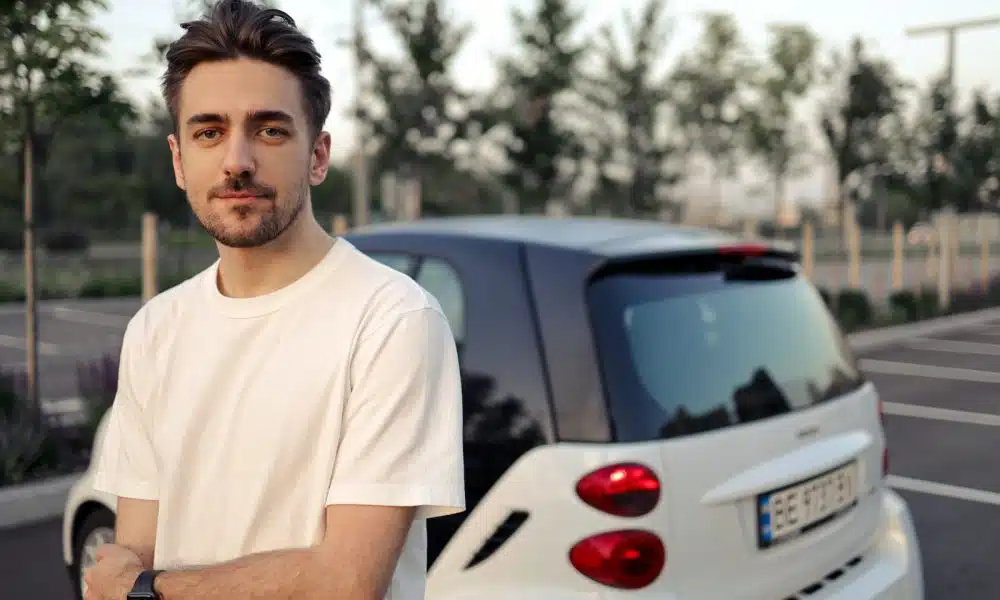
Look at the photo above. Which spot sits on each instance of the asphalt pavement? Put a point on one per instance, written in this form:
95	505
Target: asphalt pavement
70	332
941	394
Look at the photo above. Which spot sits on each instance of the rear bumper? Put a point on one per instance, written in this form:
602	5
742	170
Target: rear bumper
892	569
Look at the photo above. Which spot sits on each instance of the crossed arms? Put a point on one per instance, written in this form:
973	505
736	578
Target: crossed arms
417	407
355	564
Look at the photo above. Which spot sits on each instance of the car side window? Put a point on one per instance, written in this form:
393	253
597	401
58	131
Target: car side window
401	262
443	282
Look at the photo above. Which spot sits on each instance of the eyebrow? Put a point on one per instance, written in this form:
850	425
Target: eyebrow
255	117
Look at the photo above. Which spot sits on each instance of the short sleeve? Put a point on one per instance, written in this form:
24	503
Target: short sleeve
402	436
126	464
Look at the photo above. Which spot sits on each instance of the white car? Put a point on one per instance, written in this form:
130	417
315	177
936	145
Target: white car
652	412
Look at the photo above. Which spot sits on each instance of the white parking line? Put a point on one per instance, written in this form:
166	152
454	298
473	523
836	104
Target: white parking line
944	490
18	343
889	367
86	317
940	414
955	346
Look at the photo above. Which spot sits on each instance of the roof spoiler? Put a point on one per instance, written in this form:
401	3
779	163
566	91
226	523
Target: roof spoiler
687	258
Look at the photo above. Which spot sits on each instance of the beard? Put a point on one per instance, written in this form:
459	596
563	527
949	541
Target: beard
255	225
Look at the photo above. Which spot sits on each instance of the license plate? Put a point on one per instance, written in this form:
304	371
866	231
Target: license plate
785	513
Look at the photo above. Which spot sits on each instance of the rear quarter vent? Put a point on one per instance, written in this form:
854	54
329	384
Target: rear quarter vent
500	536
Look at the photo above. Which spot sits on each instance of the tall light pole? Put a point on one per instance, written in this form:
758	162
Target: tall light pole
951	31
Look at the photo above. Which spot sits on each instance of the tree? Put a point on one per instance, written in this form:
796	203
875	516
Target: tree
980	151
44	80
864	93
773	132
709	88
411	109
537	86
634	136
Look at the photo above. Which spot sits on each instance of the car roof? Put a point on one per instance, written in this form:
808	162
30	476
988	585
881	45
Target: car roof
597	235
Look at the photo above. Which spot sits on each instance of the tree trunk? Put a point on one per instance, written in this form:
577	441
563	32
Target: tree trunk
30	299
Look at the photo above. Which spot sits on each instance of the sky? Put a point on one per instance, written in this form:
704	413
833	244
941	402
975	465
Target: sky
133	24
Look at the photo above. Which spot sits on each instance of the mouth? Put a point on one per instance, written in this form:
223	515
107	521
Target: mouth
241	197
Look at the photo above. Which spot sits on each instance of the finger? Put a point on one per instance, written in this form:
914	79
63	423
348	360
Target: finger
103	551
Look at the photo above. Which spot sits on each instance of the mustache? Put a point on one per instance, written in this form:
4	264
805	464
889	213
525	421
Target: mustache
244	185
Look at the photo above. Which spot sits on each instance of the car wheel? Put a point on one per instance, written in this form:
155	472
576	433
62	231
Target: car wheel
96	530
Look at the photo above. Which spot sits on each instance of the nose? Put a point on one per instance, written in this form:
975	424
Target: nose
239	160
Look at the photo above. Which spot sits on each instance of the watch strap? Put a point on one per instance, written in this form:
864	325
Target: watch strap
142	589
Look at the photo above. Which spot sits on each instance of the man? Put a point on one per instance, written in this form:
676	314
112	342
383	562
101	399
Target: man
287	419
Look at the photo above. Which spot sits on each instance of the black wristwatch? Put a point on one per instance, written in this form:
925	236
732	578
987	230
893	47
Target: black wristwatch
143	587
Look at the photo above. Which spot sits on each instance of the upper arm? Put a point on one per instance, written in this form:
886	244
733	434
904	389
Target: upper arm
401	444
135	527
126	461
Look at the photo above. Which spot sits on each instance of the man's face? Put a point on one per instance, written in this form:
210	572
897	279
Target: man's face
243	151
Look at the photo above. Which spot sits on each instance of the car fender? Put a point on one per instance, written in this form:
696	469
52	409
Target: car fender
83	493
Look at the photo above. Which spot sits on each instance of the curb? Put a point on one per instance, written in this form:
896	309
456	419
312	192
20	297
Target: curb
39	501
33	502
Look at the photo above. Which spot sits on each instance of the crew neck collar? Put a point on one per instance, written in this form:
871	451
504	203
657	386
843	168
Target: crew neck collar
256	306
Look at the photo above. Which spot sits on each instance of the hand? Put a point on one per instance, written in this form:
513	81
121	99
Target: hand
114	574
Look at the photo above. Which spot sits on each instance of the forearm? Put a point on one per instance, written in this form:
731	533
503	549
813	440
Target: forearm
279	575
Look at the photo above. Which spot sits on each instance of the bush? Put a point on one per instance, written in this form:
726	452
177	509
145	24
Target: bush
10	292
112	287
11	240
854	309
65	241
97	384
26	450
903	306
927	303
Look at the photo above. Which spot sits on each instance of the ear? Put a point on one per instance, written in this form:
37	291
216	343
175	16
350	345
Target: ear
175	154
320	163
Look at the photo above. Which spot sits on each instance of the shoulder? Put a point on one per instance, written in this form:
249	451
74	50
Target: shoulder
150	324
386	295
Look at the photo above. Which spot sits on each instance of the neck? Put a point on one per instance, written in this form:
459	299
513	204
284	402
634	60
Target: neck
249	272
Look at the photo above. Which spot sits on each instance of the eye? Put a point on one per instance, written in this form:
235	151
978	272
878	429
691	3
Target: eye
274	132
207	134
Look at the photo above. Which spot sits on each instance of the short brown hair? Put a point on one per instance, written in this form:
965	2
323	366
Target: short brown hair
236	29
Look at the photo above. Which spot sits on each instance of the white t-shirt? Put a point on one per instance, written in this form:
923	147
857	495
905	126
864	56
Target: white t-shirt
245	418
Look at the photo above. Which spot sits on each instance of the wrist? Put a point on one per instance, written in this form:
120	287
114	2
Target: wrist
128	581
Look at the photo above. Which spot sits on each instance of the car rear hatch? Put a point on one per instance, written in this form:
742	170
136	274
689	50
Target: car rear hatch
771	452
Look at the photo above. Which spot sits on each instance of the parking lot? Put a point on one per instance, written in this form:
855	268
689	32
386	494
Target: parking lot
941	393
942	399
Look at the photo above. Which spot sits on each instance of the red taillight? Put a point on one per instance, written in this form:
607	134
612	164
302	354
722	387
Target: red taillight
629	559
744	250
623	490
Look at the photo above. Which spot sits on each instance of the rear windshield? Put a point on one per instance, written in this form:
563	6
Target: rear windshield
684	354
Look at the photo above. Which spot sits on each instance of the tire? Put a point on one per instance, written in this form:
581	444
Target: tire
99	525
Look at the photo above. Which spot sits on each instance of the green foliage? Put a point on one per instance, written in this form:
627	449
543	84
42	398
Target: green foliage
709	87
97	383
773	133
410	107
631	97
537	82
864	93
903	306
45	80
854	309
